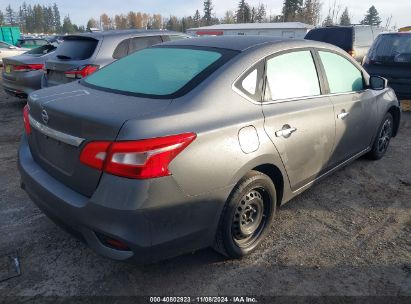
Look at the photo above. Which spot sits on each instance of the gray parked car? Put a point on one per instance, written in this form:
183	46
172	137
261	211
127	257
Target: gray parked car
22	74
201	148
83	54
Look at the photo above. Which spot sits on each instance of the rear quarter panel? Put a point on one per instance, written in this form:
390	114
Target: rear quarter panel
216	113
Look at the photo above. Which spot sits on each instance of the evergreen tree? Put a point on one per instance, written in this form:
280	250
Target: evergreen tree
68	27
345	17
243	14
48	19
10	17
1	18
208	8
56	18
372	17
291	9
328	21
197	19
22	18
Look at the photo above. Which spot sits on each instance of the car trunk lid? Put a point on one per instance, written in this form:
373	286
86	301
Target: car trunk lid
63	120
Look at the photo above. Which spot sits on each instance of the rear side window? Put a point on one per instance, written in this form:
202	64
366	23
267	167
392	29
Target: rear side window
250	83
391	48
27	43
140	43
42	50
363	36
341	37
121	49
157	72
342	75
76	48
292	75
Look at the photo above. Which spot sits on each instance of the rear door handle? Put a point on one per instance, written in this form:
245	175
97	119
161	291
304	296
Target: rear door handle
286	131
343	115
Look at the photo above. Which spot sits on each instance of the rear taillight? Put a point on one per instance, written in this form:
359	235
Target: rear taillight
140	159
26	119
27	67
82	71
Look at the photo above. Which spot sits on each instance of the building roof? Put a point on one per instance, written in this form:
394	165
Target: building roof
236	43
125	33
253	26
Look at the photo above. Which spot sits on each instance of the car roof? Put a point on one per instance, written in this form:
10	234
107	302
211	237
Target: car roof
241	43
396	33
121	33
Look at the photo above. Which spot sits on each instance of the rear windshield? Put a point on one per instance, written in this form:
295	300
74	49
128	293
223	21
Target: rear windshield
392	48
159	71
42	50
341	37
76	48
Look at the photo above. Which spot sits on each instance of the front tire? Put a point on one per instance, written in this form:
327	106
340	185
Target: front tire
247	215
383	138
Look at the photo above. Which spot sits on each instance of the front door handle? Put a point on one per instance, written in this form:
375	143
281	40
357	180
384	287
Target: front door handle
343	115
285	132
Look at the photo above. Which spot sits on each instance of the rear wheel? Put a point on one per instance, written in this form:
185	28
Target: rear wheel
382	140
247	216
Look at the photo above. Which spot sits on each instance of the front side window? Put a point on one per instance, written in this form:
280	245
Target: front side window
292	75
158	71
342	75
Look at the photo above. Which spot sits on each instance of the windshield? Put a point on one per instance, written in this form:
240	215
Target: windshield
159	71
391	48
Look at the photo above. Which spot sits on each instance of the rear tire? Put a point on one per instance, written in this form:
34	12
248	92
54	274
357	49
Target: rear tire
382	140
247	215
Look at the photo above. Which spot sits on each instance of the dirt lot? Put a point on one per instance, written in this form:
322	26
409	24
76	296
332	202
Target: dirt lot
348	235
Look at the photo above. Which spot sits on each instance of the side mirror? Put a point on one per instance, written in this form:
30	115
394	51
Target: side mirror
378	83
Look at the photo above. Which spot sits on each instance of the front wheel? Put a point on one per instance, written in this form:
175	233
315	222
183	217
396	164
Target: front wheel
247	215
383	138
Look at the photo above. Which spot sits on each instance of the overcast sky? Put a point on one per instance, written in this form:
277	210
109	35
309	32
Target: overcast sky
81	10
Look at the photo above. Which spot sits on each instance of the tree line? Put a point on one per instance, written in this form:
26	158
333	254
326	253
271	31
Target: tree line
46	18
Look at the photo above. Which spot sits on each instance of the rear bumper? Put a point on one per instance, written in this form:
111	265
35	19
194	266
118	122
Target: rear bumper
22	85
154	219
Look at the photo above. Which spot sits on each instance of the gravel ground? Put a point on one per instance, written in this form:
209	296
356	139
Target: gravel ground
348	235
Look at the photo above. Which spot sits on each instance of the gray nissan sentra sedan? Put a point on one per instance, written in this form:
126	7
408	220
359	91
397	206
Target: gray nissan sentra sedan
196	143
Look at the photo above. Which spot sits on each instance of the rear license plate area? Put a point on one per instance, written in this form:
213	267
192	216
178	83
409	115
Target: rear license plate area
58	154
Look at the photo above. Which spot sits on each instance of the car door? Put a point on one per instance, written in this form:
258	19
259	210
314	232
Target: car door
298	119
354	105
